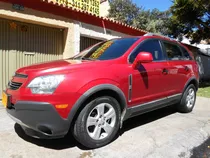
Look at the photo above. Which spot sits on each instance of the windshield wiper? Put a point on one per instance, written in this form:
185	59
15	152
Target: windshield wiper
83	58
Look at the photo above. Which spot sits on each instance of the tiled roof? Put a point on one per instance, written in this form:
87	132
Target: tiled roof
93	15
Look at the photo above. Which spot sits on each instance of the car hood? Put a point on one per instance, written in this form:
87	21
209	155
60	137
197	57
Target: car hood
58	66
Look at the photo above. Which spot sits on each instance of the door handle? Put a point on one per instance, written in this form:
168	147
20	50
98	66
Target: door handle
165	71
186	68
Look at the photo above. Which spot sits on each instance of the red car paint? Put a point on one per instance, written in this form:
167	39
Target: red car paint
81	75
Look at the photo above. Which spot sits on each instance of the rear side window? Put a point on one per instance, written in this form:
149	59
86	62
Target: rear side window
173	51
186	54
151	46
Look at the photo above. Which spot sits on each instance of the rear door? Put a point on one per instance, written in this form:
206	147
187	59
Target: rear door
149	82
188	63
178	67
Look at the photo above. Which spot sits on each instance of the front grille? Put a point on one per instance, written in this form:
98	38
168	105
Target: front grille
20	75
14	85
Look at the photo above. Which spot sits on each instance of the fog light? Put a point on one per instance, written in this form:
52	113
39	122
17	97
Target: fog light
61	106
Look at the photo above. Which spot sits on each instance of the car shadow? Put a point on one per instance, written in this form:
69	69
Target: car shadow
144	75
147	118
70	142
57	144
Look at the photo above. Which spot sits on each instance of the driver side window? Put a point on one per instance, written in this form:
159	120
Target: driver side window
151	46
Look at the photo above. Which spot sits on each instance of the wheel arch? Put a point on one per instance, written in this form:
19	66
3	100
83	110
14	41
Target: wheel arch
97	91
193	81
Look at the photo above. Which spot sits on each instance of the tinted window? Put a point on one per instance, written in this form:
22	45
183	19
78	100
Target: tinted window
186	54
173	52
152	46
107	50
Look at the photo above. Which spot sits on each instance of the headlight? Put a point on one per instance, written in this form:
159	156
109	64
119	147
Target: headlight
45	84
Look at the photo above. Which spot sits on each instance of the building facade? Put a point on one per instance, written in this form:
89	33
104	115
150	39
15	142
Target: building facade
43	30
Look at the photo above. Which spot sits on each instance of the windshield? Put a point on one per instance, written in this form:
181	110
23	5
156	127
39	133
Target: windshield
107	50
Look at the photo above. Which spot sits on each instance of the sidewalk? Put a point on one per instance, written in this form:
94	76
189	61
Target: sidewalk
161	133
1	106
6	123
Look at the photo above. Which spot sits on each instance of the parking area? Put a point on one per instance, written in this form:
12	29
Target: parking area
161	133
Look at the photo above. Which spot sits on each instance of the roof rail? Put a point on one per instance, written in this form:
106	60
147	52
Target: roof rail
155	34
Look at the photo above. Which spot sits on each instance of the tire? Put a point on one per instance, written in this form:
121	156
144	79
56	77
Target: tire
94	128
187	102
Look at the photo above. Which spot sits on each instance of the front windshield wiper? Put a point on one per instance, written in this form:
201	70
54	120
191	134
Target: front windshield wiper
83	58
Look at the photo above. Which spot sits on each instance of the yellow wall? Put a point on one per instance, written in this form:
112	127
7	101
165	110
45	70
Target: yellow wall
43	18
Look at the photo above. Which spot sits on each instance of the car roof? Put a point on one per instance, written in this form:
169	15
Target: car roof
150	36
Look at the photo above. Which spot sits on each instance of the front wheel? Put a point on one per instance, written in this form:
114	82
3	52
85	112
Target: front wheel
187	102
98	123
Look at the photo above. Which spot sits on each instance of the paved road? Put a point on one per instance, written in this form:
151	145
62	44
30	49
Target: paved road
162	133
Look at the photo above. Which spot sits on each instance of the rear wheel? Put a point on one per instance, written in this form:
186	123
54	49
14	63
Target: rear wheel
98	123
188	99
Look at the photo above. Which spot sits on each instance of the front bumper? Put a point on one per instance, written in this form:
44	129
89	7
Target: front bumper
38	119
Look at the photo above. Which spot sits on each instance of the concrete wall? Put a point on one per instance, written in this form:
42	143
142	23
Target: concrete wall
42	18
72	29
91	31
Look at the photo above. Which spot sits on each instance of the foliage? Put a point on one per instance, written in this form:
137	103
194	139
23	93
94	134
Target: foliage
158	22
124	11
204	90
127	12
191	18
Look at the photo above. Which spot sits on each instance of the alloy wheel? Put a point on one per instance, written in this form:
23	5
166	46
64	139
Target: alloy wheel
190	99
101	121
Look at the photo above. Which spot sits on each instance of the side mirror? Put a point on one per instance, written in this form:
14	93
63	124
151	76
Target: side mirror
142	57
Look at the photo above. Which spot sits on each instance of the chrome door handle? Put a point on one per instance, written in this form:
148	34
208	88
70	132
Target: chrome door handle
186	68
165	71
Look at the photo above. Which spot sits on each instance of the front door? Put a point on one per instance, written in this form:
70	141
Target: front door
149	81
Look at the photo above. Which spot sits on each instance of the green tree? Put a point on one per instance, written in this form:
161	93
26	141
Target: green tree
127	12
124	11
190	18
158	22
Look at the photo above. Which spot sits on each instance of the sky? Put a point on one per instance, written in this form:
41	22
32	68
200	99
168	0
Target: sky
162	5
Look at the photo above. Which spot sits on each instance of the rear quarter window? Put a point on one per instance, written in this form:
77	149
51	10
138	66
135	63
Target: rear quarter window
186	54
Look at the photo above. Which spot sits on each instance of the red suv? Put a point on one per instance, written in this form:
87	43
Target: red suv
92	93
